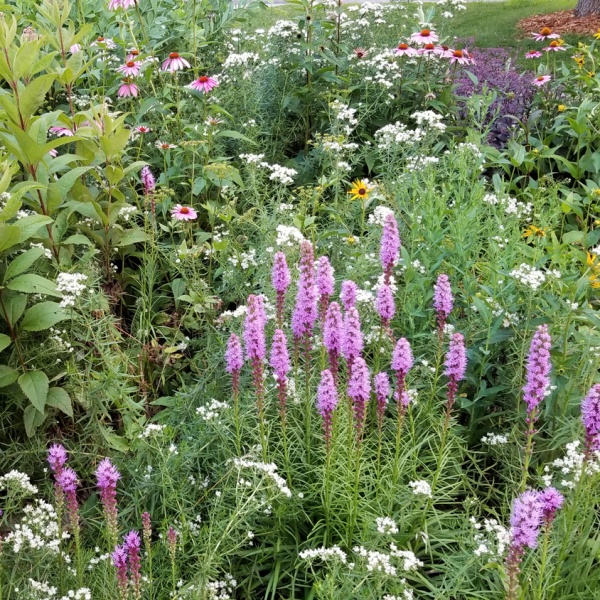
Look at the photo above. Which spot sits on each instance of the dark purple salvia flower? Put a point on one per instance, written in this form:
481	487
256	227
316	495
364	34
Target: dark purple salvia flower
443	301
352	341
402	362
325	284
281	280
348	293
359	390
590	416
147	529
234	361
381	386
538	370
133	546
280	363
119	559
327	400
305	312
385	304
333	333
256	348
525	522
456	366
107	477
551	500
390	246
68	482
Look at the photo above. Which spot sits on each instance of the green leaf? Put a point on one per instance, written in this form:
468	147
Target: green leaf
572	237
5	341
15	306
131	236
22	262
58	398
29	226
33	284
78	239
35	386
236	135
32	97
32	419
114	440
58	190
7	376
9	236
42	316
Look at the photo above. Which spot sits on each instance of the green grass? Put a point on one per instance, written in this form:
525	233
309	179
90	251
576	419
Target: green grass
494	24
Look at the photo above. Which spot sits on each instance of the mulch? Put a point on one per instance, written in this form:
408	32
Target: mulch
563	22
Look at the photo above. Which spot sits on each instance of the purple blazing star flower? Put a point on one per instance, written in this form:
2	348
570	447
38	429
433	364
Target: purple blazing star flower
327	400
442	301
385	304
590	416
280	363
381	386
456	366
390	246
352	341
133	546
281	280
538	370
325	283
551	500
359	389
333	335
107	477
348	293
119	560
305	312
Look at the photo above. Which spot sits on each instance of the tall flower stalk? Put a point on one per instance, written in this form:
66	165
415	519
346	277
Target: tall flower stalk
119	560
536	388
234	361
389	250
147	537
333	337
443	302
172	545
107	477
325	284
133	546
402	362
381	387
280	279
590	417
68	482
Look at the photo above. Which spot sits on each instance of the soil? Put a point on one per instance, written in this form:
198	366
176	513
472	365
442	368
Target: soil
563	22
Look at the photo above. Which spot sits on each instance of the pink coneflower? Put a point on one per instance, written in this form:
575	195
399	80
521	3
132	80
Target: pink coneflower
540	80
327	400
281	279
183	213
75	48
405	50
533	54
447	52
104	43
175	63
204	84
127	89
164	145
133	54
142	129
360	52
62	131
461	57
554	46
130	69
425	36
429	49
545	34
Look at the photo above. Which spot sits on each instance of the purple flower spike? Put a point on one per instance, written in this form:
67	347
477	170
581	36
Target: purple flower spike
442	301
133	546
256	349
119	559
148	180
381	385
327	400
305	312
526	519
385	304
333	336
456	366
352	342
538	370
172	542
107	477
68	482
146	528
590	416
402	358
359	389
551	500
281	280
234	357
280	363
348	294
390	246
57	457
325	283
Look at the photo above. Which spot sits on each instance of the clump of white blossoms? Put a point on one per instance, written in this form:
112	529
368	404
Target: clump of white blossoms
221	590
325	554
244	260
490	537
268	469
126	212
531	277
421	488
283	175
376	561
17	482
288	235
379	215
80	594
510	205
213	411
152	429
411	562
72	285
386	525
571	466
494	439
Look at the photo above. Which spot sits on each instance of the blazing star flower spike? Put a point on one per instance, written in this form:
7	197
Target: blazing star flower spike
133	546
551	500
382	389
280	275
57	457
352	341
526	519
327	400
234	357
538	368
385	304
359	390
148	180
402	358
348	293
325	281
590	417
280	358
389	250
305	312
254	329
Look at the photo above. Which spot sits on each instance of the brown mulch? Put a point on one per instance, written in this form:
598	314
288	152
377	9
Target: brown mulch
563	22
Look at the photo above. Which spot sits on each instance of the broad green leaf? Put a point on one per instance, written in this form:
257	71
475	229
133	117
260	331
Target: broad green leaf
78	239
5	341
32	419
22	262
35	386
33	96
42	316
33	284
9	236
58	190
131	236
58	398
29	226
236	135
14	305
114	440
7	376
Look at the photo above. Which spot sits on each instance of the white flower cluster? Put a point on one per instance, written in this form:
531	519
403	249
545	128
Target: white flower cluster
418	163
376	561
213	411
411	562
283	175
396	134
288	236
284	29
152	429
529	276
252	159
490	537
80	594
407	594
431	119
421	488
269	469
126	212
240	60
510	205
379	215
60	339
47	251
510	319
221	590
494	439
244	260
17	481
333	553
38	529
72	286
386	525
571	466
